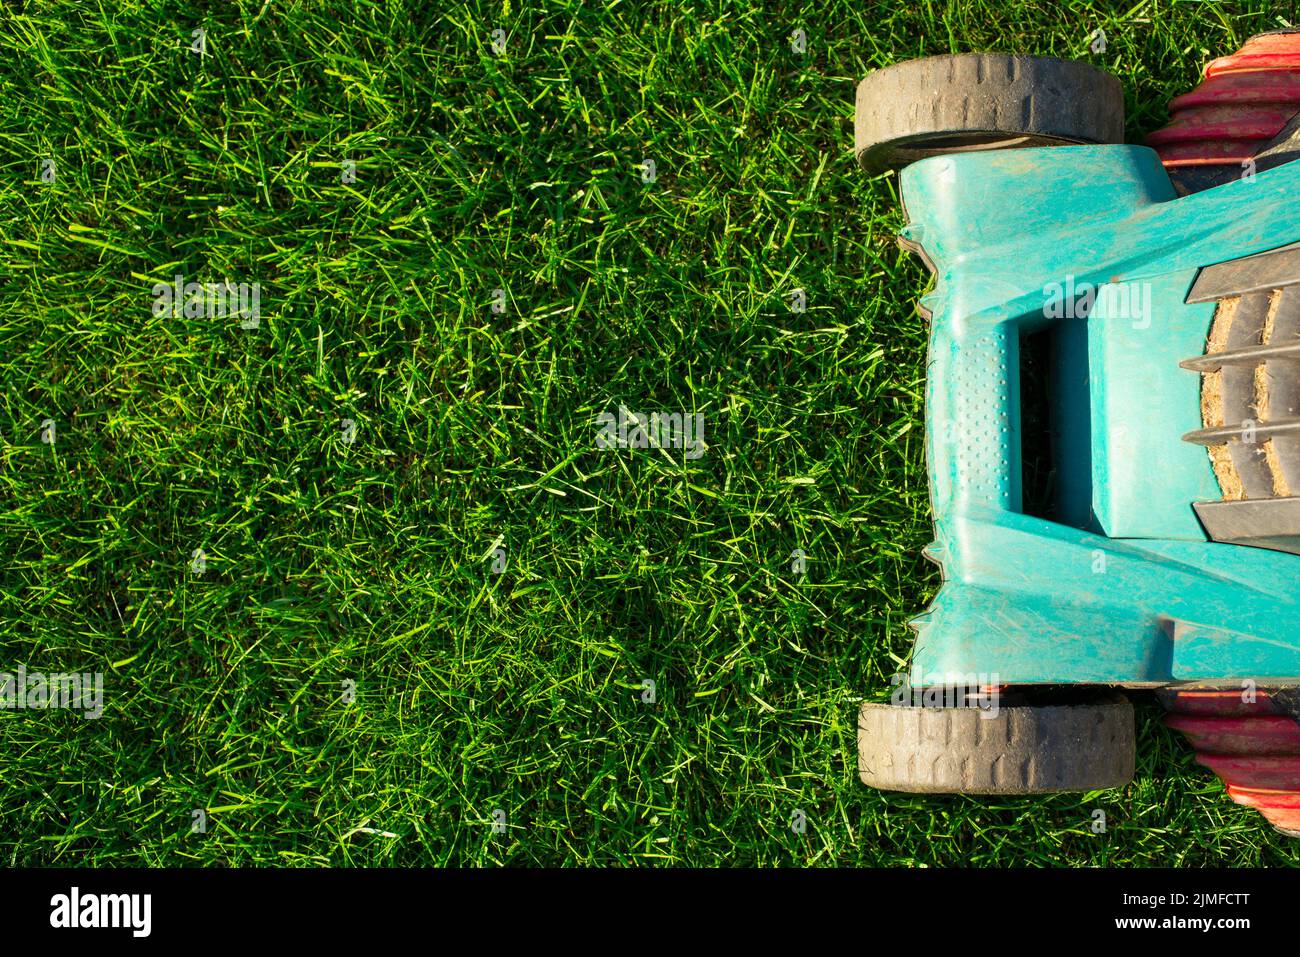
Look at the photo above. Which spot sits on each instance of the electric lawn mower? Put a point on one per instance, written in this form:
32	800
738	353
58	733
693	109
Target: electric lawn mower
1112	422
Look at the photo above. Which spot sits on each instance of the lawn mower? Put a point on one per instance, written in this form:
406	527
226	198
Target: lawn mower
1112	422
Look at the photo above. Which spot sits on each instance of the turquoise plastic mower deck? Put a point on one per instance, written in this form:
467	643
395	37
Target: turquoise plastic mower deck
1122	586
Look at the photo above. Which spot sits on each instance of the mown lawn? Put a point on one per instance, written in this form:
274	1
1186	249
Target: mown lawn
386	641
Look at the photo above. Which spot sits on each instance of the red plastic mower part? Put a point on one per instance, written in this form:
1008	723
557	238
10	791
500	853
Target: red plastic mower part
1244	102
1253	747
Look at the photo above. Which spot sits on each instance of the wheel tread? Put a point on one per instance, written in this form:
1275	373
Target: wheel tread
1024	749
1062	100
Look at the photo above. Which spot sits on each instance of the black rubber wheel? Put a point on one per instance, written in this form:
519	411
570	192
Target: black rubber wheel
1029	749
982	101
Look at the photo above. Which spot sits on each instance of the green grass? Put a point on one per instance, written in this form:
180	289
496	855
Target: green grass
372	562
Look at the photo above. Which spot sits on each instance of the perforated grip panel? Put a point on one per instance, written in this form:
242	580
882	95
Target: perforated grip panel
975	441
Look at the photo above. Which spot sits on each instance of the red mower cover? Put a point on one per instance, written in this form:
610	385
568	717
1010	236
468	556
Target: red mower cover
1243	102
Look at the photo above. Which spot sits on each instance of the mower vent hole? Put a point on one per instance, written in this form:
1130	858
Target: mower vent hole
1055	425
1037	449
